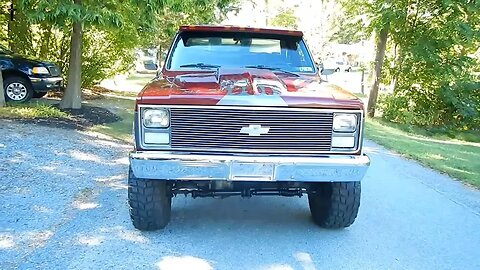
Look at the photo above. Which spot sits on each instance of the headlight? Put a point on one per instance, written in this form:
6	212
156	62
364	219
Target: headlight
344	122
156	118
40	70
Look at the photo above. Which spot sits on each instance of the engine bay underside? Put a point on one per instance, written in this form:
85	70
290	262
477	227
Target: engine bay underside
224	189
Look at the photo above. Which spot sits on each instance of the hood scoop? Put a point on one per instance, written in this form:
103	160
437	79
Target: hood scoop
234	82
196	80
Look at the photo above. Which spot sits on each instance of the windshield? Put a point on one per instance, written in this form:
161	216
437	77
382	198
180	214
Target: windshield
203	50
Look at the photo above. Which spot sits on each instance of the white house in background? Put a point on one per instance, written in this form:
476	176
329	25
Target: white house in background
353	54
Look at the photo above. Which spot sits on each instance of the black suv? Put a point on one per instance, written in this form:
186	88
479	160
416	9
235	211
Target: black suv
25	78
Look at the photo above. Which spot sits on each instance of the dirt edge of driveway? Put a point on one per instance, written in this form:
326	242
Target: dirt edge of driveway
79	119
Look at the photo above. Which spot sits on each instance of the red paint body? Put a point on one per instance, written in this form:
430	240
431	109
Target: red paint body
237	29
243	86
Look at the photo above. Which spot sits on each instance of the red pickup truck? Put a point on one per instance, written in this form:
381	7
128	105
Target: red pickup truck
243	111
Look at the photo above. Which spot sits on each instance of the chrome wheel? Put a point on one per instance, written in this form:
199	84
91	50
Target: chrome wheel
16	91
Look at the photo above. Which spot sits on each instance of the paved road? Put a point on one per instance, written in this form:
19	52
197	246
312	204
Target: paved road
63	205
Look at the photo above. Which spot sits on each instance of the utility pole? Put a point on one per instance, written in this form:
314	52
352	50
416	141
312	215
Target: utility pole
362	68
266	13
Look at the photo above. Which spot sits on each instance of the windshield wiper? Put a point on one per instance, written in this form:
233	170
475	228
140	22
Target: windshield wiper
200	65
274	69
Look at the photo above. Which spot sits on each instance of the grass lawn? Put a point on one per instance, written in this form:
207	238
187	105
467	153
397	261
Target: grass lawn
31	110
360	95
457	154
122	107
141	78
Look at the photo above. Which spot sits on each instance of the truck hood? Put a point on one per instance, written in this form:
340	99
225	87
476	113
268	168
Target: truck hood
245	87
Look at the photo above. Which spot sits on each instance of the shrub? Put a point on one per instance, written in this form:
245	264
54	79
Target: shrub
456	105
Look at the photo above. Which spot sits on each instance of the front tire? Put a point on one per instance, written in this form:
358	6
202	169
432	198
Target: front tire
17	89
335	205
150	203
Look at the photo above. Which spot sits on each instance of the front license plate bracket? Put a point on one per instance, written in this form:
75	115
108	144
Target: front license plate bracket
252	172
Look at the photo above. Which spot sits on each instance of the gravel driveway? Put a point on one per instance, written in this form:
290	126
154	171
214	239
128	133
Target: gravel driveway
63	206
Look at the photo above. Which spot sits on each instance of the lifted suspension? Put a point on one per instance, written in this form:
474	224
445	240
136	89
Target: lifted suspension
247	192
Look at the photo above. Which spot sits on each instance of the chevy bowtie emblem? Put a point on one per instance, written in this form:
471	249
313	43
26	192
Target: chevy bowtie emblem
254	130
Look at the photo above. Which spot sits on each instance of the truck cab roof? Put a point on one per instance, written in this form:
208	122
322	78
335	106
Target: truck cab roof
240	29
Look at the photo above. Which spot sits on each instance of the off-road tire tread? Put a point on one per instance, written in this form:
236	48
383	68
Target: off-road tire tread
150	203
336	205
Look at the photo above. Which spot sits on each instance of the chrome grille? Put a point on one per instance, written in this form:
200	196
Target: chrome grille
219	129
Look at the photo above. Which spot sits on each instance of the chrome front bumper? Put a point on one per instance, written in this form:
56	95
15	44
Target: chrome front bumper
175	166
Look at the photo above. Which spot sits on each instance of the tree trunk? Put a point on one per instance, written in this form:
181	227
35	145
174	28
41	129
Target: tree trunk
11	29
2	92
398	68
45	42
72	98
19	33
159	57
377	76
362	80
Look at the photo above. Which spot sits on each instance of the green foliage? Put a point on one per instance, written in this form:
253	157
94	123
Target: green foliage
286	18
346	32
456	157
31	111
431	59
3	22
346	28
104	55
124	108
403	108
112	30
192	12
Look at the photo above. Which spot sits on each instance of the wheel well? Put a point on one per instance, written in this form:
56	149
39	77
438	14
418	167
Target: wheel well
14	73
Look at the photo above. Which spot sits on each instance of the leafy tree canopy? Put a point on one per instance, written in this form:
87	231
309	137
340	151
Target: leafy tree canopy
432	60
286	18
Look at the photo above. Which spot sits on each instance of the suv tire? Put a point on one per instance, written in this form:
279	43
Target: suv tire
334	205
17	89
150	203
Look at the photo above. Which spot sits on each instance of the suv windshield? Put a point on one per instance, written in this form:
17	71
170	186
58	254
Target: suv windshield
204	50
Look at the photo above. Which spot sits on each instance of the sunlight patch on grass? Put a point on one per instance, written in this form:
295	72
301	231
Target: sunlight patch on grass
457	158
144	78
31	111
360	95
436	156
98	90
124	108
